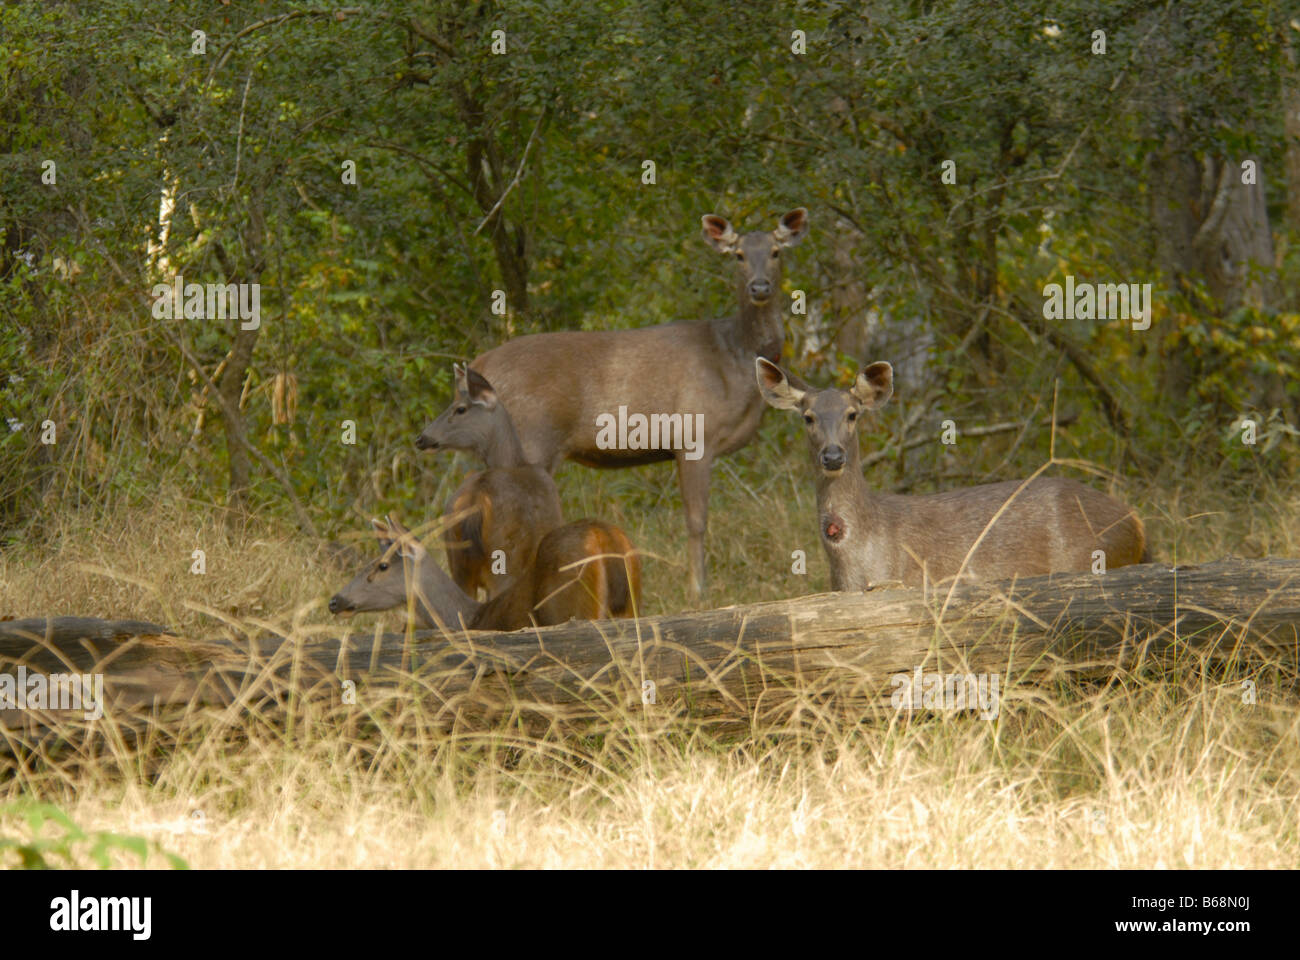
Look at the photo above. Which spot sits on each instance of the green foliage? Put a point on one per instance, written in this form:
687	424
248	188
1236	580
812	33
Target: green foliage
521	172
70	846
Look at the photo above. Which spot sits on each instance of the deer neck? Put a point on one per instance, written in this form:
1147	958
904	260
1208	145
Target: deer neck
502	447
439	598
846	507
756	330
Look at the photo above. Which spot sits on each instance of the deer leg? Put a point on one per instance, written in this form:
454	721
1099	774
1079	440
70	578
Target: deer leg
693	475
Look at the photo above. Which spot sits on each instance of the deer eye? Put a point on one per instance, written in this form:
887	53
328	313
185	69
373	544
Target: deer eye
808	419
739	255
461	409
383	565
853	415
776	252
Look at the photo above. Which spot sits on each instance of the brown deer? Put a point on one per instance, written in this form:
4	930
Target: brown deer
587	570
508	507
1050	524
561	387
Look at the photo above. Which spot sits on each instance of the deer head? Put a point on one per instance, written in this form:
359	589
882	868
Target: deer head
473	422
757	254
384	582
830	416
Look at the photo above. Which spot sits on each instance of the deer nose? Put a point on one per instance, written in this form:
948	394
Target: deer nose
760	289
425	443
832	458
337	603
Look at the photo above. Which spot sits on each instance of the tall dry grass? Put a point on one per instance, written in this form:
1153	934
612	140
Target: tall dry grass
1154	769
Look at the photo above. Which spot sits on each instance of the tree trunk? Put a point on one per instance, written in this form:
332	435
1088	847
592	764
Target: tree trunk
1291	121
231	383
231	386
1212	228
488	180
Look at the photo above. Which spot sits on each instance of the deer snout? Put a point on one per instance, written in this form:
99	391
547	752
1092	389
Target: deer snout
339	605
760	290
425	442
832	458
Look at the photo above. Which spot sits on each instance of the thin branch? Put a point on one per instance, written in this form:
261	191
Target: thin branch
342	13
239	137
424	162
518	173
987	430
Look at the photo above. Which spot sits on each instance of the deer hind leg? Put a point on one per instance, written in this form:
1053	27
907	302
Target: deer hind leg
593	588
585	592
622	575
693	475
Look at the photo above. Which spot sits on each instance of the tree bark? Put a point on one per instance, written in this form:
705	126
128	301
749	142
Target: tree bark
1291	120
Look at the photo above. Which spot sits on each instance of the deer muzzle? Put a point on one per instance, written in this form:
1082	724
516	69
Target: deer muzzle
832	458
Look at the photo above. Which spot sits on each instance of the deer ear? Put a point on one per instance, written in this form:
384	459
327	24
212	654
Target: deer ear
409	547
719	233
874	386
479	390
792	228
458	375
775	385
382	533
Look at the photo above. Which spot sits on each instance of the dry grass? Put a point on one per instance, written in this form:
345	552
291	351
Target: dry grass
1173	771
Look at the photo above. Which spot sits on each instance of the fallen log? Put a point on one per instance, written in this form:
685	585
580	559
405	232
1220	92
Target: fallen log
750	662
70	629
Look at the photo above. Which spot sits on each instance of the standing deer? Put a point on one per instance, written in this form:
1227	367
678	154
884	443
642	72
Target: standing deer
1050	525
508	507
559	386
586	569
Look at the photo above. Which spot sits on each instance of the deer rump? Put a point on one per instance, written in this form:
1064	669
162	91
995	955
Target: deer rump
585	570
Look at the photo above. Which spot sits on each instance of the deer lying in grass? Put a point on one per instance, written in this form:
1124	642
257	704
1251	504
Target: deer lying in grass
559	385
586	570
1050	524
508	507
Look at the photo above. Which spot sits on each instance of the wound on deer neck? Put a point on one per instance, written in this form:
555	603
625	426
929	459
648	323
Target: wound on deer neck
833	527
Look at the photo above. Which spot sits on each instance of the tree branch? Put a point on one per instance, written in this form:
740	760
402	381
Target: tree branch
518	173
